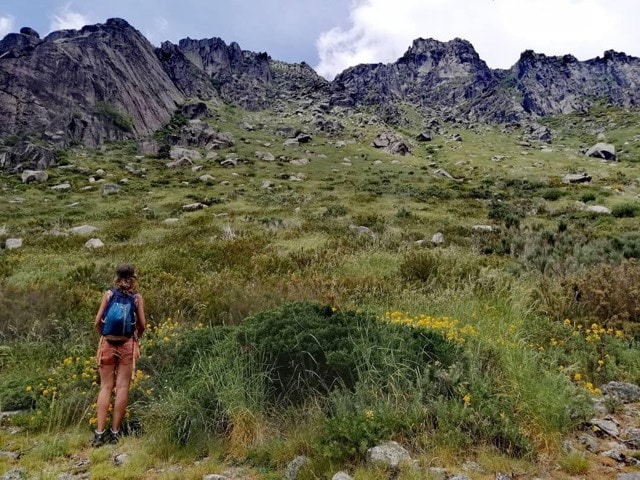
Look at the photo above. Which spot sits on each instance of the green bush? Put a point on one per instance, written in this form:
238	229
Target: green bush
309	349
111	113
626	209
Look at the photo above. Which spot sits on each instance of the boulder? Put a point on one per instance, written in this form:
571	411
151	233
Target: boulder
299	161
178	153
34	176
84	230
62	187
389	453
206	178
183	162
571	178
30	32
193	111
425	136
606	151
27	156
625	392
598	209
94	243
110	189
13	243
193	207
291	473
265	156
149	148
437	239
341	476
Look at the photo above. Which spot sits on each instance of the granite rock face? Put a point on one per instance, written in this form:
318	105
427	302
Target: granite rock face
103	82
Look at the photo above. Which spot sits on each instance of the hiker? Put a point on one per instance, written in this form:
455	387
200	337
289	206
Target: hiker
120	321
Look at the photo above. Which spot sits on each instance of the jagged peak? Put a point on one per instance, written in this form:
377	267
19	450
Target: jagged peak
422	46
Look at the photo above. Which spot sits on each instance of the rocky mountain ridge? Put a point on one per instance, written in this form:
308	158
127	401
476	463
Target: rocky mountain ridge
107	82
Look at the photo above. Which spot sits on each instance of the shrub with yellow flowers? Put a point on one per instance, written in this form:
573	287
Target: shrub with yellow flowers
448	327
67	396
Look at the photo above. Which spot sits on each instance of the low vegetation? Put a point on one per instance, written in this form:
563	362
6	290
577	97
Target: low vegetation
281	326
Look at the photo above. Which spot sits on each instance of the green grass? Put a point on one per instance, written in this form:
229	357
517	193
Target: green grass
293	243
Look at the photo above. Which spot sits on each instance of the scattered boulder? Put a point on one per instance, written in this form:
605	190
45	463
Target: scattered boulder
571	178
484	228
625	392
389	453
214	476
437	239
362	230
291	473
299	161
599	209
192	207
228	233
178	153
265	156
27	156
291	142
15	474
391	143
13	243
120	459
183	162
304	138
443	173
62	187
206	178
606	426
93	243
606	151
341	476
267	184
34	176
84	230
425	136
110	189
193	111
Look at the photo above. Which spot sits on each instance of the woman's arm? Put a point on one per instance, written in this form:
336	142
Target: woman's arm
141	323
103	304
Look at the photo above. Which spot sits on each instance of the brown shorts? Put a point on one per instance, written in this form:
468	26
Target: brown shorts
124	354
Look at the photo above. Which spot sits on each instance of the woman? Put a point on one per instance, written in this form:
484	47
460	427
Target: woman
117	354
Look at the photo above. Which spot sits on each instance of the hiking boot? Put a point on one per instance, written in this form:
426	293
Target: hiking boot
100	439
114	437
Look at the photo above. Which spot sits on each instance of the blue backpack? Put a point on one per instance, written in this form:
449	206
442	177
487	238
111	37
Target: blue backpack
119	317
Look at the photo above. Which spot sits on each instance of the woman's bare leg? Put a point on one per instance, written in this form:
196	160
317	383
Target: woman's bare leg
107	379
123	380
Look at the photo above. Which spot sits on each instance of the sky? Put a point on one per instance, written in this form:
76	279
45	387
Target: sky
332	35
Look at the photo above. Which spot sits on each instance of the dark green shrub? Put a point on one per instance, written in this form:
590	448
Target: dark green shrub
335	211
552	194
588	197
627	209
508	214
308	348
628	244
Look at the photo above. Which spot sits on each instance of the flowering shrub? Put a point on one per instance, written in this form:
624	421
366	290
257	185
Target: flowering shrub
447	327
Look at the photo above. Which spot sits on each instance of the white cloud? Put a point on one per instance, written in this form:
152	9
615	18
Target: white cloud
66	19
6	25
382	30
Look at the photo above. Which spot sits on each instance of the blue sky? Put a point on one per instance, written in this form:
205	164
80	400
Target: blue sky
332	35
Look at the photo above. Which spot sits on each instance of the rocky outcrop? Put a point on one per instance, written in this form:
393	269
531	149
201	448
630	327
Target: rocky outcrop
88	86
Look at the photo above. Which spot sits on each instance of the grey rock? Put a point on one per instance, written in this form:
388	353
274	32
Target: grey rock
214	476
590	443
34	176
341	476
184	162
61	188
84	230
389	453
291	142
206	178
598	209
437	473
111	189
25	156
228	233
606	151
608	427
570	178
193	111
15	474
192	207
426	136
632	436
267	184
437	239
171	220
94	93
94	243
291	472
503	476
13	243
459	477
362	230
212	155
625	392
628	476
265	156
12	456
29	31
443	173
120	459
177	153
304	138
299	161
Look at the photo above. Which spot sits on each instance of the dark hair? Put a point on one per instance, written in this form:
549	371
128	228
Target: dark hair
126	280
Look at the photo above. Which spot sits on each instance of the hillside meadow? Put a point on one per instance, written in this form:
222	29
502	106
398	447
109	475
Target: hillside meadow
315	314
